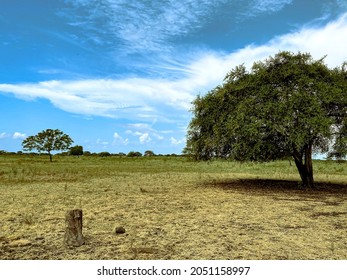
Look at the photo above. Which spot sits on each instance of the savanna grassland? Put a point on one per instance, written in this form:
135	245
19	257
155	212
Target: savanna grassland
171	208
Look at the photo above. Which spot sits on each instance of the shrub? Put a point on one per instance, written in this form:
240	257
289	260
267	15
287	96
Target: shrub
76	151
104	154
134	154
149	153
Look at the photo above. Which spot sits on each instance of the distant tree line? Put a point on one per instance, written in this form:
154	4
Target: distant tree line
132	154
78	151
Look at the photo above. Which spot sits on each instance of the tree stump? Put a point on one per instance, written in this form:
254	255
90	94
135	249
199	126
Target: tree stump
73	228
119	230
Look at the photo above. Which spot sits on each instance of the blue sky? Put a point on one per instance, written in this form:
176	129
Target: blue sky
120	75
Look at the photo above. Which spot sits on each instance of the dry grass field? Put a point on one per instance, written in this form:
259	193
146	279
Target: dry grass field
171	208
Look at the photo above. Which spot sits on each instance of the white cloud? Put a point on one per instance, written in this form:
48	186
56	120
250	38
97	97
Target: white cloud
210	69
3	135
158	136
144	131
134	97
168	100
117	136
136	133
140	126
120	140
175	142
145	138
18	135
319	41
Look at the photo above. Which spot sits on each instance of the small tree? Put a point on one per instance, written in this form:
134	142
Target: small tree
76	151
149	153
134	154
47	141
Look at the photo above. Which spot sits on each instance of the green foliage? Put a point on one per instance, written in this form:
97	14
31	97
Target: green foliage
104	154
287	105
76	150
339	148
149	153
134	154
47	141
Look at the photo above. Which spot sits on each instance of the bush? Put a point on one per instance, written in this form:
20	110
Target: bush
104	154
76	151
149	153
134	154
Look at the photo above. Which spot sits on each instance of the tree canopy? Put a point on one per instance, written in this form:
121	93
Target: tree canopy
47	141
76	150
287	105
149	153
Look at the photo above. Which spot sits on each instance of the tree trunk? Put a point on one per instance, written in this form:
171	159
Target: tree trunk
303	162
73	228
308	165
50	156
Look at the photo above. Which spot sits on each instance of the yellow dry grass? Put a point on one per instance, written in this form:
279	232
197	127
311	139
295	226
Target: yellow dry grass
171	209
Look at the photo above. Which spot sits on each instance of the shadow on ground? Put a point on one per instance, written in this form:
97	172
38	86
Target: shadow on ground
268	185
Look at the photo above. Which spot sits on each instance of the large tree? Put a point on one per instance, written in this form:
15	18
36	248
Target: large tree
287	105
47	141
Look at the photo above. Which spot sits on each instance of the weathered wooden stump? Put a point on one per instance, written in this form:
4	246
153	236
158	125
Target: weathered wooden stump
73	228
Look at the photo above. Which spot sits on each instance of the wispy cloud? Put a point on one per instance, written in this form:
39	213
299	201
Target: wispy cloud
144	132
146	26
142	25
3	135
145	138
19	135
15	135
176	142
168	100
256	7
120	140
135	97
317	40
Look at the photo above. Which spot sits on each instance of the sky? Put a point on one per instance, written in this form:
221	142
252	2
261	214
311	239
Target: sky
120	75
